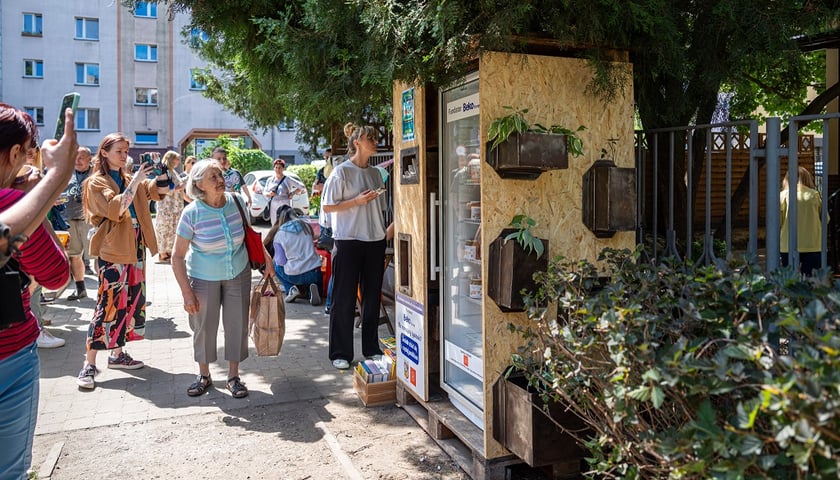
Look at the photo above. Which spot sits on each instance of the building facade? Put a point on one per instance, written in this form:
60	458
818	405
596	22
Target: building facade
134	70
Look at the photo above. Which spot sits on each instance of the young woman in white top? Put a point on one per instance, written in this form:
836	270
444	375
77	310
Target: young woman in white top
352	196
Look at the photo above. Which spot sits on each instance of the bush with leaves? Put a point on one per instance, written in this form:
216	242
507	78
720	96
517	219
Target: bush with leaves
248	160
674	372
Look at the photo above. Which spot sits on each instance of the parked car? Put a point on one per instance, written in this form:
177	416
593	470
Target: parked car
258	210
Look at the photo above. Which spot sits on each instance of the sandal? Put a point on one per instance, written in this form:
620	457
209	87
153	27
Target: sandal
202	383
237	388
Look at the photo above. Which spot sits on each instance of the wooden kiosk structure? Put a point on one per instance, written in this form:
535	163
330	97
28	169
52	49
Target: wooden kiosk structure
553	89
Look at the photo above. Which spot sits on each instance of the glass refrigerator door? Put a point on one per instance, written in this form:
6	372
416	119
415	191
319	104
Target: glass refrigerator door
461	290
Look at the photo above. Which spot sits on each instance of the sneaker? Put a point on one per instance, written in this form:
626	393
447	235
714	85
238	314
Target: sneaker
327	309
47	340
123	361
88	271
45	300
314	296
77	295
376	358
86	377
341	364
293	294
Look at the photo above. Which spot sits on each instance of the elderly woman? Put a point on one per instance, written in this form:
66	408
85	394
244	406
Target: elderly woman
117	205
169	209
28	250
211	265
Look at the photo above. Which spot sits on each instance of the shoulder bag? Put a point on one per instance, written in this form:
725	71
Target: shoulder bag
253	240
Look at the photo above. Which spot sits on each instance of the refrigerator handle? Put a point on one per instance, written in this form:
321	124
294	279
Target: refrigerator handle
433	236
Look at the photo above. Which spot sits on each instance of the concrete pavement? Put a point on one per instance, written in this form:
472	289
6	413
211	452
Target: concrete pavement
302	375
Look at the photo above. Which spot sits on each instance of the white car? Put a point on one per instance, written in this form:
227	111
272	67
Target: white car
255	181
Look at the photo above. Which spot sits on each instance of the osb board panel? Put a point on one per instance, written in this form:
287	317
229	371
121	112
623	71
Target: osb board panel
553	91
410	202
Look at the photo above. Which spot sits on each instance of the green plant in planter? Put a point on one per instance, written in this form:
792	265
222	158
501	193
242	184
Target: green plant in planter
527	240
503	127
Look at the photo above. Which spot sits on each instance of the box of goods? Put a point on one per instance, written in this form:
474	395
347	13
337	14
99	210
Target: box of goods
375	394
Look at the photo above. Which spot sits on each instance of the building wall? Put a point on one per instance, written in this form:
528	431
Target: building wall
179	109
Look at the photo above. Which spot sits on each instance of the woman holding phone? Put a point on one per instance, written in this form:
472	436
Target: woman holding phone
27	250
117	205
350	196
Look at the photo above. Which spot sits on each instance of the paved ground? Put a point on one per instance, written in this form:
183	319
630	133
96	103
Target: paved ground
302	419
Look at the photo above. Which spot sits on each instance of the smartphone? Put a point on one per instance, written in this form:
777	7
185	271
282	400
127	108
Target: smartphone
70	100
380	191
147	159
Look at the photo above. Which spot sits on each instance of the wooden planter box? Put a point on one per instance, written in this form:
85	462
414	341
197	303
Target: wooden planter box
375	394
510	269
528	155
520	424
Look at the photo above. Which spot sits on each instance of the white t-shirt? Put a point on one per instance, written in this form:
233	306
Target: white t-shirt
363	222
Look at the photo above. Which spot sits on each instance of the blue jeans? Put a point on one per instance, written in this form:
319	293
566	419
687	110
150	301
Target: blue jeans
328	301
18	410
302	279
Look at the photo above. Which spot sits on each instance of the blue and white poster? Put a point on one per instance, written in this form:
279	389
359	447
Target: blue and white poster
411	345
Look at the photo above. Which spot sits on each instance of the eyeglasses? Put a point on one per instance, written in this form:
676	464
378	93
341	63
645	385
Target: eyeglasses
279	165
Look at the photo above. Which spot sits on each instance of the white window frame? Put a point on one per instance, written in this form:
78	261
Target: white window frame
84	33
150	50
33	24
145	10
37	114
151	95
34	63
83	120
86	74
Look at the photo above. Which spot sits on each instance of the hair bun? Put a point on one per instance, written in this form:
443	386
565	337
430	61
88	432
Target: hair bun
349	128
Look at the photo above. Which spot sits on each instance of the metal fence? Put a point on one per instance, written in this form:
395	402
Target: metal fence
670	164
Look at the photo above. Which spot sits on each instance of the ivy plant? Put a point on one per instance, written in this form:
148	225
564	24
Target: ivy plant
677	372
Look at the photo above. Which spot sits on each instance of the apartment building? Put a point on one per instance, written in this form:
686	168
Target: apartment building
133	68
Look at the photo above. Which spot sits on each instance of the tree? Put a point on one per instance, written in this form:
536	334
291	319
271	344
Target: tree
324	62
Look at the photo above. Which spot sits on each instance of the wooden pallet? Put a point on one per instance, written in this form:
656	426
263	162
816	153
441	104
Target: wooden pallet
457	436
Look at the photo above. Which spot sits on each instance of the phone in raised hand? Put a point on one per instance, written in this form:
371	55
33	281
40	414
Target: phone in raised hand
380	191
70	100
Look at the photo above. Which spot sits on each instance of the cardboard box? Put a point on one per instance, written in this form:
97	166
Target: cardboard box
375	394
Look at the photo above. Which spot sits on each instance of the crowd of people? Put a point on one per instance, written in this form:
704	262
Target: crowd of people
108	231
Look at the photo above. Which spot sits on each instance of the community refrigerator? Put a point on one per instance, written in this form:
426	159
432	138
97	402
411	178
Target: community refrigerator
453	341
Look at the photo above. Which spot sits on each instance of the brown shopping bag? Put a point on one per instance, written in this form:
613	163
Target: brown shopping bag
267	319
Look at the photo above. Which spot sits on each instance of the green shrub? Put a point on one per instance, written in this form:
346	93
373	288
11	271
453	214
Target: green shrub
673	370
306	173
249	160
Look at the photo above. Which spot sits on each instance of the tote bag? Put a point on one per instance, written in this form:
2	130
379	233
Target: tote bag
267	319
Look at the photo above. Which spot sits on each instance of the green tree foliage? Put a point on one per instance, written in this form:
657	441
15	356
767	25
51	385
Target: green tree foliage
311	61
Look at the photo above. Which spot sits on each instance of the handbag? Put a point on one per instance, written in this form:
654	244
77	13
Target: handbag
325	239
253	241
267	318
